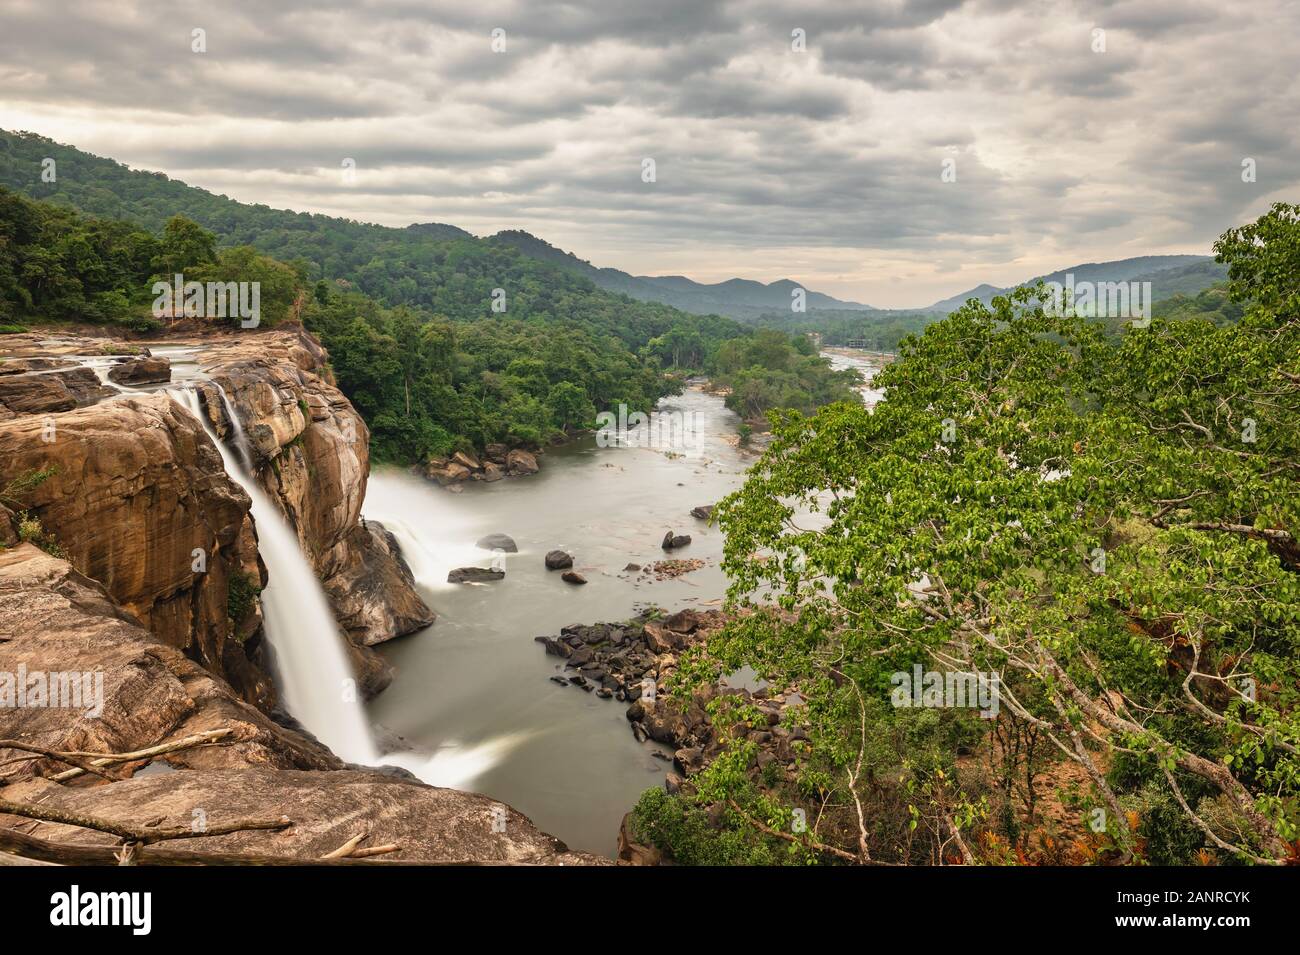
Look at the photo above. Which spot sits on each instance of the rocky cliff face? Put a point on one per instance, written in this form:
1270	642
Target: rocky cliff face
311	452
136	494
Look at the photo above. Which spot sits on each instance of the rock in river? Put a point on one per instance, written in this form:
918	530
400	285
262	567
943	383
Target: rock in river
498	542
673	541
474	575
573	577
138	371
558	560
519	461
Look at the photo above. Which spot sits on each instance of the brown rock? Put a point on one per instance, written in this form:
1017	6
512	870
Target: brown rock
683	621
326	808
138	499
519	461
573	577
632	852
35	394
373	595
474	575
139	371
467	461
53	619
558	560
452	474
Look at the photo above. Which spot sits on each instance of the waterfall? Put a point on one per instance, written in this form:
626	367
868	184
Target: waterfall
316	678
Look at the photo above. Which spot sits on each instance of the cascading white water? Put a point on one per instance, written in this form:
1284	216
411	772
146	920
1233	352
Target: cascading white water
315	675
316	680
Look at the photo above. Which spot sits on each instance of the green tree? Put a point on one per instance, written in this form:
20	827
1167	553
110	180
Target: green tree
1108	523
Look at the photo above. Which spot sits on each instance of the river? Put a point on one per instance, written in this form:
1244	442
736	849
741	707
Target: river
474	687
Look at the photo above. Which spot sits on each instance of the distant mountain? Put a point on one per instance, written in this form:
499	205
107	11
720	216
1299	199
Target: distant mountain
1168	274
737	298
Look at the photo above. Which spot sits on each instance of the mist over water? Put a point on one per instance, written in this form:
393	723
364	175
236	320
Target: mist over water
476	677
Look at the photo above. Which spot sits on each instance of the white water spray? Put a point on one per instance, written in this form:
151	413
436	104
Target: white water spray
315	675
318	686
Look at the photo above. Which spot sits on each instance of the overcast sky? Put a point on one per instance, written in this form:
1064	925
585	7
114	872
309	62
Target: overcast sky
824	166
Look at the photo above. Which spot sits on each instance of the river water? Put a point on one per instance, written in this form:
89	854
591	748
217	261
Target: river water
474	687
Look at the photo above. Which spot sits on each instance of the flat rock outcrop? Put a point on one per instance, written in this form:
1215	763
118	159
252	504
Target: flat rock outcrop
327	809
55	620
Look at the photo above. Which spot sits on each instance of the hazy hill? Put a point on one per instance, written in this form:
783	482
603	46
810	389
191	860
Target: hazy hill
1168	274
738	298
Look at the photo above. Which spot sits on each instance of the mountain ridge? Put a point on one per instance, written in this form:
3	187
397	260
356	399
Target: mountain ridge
1169	275
735	297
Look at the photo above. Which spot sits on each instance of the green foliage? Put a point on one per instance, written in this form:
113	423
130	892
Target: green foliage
683	830
32	531
962	521
242	591
770	369
15	490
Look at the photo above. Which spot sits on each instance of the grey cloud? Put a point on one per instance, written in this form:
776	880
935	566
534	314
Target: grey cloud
759	149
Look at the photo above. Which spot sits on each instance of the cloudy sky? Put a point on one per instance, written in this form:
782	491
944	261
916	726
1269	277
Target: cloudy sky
823	164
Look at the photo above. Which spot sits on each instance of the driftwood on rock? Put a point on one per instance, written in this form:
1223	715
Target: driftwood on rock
129	833
93	762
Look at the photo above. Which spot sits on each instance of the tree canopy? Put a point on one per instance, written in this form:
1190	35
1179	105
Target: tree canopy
1108	523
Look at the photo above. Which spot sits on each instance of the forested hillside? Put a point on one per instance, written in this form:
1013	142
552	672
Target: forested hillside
443	341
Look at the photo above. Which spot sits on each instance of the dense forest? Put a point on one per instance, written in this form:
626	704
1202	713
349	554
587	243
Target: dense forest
1106	522
487	345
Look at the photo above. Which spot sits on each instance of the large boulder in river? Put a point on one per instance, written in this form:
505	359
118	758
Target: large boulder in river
452	474
141	371
466	461
492	472
498	542
558	560
683	621
703	512
373	595
519	461
474	575
673	541
573	577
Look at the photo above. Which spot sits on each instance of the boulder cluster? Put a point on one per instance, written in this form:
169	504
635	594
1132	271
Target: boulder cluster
630	662
497	462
